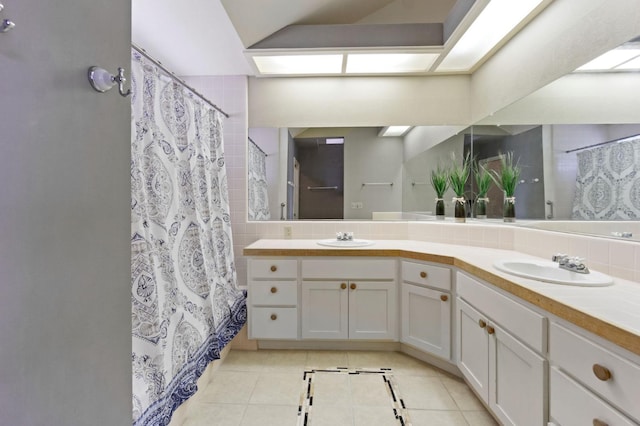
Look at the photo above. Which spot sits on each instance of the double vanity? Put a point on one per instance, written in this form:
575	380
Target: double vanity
555	350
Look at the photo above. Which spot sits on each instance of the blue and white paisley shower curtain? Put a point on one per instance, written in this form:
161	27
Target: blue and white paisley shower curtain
258	188
608	182
185	302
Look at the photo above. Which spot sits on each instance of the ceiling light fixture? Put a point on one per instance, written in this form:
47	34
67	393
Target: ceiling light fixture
495	22
334	141
390	131
299	64
617	58
372	63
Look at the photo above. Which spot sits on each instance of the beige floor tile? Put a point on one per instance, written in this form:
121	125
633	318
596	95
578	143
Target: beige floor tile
270	415
286	361
479	418
436	418
278	389
374	416
369	390
463	396
245	361
369	359
230	387
202	414
327	359
331	389
405	365
331	415
427	393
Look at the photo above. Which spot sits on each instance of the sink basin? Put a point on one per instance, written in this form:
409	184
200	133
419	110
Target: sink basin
550	272
346	244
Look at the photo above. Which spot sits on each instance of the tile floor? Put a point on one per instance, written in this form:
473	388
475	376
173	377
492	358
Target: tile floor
268	387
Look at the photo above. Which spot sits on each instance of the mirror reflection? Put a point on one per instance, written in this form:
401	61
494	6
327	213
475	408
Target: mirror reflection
568	171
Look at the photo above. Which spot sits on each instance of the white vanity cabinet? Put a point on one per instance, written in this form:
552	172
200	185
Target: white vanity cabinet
507	372
426	307
273	298
591	382
349	299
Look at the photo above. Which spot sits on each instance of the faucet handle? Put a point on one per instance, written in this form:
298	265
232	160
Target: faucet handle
559	257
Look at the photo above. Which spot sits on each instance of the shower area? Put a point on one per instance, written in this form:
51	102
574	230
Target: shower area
186	305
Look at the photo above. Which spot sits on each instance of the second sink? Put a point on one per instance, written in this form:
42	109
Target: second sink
550	272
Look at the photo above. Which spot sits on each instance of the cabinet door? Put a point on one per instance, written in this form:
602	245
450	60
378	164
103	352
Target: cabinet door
517	381
426	319
325	310
473	348
372	310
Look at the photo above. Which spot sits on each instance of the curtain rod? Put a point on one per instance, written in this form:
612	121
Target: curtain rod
601	143
256	145
176	78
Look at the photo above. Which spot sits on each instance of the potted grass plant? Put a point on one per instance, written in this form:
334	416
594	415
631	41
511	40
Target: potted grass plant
458	176
507	180
483	182
440	183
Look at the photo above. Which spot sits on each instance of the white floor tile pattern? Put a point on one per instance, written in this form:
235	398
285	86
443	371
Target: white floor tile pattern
266	388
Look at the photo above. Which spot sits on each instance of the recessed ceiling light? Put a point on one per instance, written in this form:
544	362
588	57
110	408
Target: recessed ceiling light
393	131
611	59
495	21
299	64
366	63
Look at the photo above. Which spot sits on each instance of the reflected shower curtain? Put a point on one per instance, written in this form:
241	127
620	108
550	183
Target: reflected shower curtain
185	303
258	191
608	182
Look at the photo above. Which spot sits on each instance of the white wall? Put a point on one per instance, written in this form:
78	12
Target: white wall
371	159
65	280
421	138
268	139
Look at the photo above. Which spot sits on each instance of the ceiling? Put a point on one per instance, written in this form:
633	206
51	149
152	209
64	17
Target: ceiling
212	37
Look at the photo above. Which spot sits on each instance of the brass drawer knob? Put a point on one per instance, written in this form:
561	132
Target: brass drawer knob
444	297
482	323
490	329
601	372
423	274
274	289
353	286
274	317
274	268
597	422
343	286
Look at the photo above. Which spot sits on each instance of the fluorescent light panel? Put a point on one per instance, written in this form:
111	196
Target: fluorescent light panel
616	58
373	63
633	64
334	141
299	64
495	21
394	131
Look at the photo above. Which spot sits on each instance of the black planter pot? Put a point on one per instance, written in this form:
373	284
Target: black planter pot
440	209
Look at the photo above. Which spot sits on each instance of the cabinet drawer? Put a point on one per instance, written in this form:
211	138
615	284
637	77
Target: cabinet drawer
274	293
345	269
432	276
579	357
529	326
273	268
572	405
274	323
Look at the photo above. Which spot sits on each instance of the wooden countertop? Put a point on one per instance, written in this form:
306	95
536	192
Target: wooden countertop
612	312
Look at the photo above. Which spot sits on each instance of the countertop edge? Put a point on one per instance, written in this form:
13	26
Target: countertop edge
610	332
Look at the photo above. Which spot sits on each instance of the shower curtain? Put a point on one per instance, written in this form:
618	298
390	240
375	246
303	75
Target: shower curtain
185	303
258	191
608	182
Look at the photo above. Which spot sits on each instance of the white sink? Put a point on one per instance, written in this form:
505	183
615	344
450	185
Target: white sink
346	244
550	272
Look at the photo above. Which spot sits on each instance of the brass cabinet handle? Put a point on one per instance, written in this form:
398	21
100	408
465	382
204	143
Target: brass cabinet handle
353	286
444	297
274	268
482	323
601	372
597	422
274	289
274	317
490	329
423	274
343	286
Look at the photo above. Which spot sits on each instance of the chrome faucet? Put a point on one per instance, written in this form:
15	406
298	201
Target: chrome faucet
570	263
344	236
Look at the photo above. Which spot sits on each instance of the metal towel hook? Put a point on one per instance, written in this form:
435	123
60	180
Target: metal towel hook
5	24
102	80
